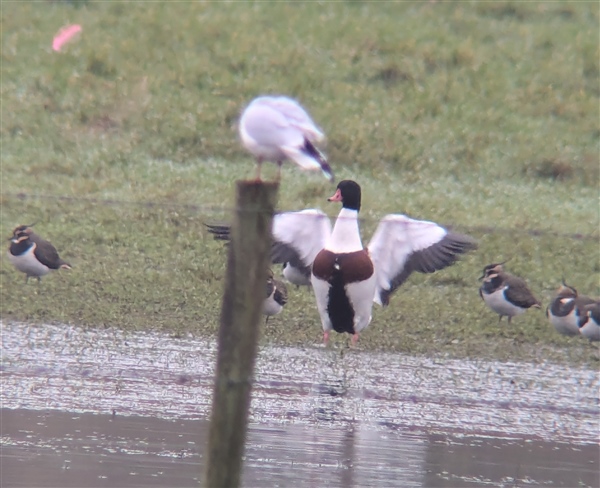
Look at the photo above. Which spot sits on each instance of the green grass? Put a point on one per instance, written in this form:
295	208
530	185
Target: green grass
479	115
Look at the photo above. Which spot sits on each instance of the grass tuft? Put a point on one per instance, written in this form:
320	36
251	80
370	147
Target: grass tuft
554	169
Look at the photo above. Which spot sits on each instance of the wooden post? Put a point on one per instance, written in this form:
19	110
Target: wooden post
241	312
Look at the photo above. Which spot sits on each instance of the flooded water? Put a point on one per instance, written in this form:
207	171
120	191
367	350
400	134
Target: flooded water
91	408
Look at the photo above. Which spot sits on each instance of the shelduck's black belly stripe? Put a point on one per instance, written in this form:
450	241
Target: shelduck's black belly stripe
340	270
339	308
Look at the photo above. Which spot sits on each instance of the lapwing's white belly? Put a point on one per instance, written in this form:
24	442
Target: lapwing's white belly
27	263
499	304
566	325
294	276
591	330
271	307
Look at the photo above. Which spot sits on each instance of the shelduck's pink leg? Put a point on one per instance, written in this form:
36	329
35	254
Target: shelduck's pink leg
354	340
325	338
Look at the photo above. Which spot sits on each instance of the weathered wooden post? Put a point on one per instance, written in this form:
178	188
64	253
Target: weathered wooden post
241	312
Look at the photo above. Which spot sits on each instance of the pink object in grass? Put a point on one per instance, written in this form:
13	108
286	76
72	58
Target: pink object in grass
65	35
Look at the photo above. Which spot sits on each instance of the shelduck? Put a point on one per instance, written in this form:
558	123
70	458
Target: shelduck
347	278
276	128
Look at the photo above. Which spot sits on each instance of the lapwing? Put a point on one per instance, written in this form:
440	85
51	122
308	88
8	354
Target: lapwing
32	255
566	309
505	294
276	297
589	321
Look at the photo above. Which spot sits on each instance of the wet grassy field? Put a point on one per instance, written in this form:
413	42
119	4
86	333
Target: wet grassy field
481	116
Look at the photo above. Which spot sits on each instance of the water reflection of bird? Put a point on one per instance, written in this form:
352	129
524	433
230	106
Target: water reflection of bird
278	128
32	255
276	297
566	310
589	321
504	293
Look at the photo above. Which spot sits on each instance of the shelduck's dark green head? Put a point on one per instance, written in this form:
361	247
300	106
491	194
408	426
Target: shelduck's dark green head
347	192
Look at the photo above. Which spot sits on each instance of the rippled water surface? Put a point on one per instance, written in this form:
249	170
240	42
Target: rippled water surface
108	408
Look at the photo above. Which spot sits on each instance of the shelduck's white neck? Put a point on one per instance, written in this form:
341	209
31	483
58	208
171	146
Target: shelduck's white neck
345	236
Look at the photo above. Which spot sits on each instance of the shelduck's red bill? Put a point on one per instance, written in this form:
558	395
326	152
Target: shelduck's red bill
337	197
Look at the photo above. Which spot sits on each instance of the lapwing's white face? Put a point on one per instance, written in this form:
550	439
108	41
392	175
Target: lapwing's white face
491	275
491	272
21	233
19	238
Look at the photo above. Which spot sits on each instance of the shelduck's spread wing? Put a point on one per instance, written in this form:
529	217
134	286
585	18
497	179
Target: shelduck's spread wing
299	236
402	245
